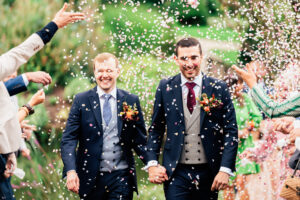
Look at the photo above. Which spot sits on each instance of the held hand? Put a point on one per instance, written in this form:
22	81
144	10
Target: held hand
39	77
11	165
27	129
25	153
157	174
220	181
284	124
63	18
37	98
294	134
73	181
248	76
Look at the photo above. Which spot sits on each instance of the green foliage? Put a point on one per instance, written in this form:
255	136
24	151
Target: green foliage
67	54
229	57
76	86
138	29
187	14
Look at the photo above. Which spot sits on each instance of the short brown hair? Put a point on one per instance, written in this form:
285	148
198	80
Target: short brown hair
188	42
105	56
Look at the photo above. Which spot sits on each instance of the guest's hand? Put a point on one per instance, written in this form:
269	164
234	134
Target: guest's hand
294	134
27	129
25	153
244	133
73	181
11	165
39	77
284	124
220	181
37	98
248	76
157	174
63	18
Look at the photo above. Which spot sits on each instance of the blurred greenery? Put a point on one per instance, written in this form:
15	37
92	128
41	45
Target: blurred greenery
138	29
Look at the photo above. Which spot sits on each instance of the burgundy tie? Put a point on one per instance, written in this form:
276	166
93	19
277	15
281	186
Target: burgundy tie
191	99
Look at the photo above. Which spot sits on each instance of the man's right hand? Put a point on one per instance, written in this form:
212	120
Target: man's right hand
284	124
73	181
63	18
157	174
39	77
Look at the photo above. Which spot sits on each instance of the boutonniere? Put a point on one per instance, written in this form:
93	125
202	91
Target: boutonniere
209	103
129	113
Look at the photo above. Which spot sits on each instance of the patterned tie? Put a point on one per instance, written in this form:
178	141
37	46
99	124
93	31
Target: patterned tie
191	99
107	109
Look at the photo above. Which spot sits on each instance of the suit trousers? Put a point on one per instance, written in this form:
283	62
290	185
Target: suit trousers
115	185
190	182
6	191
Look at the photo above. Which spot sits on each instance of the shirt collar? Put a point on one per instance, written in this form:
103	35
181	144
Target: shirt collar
113	93
197	80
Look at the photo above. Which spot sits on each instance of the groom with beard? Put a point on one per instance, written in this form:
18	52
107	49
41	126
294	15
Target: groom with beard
202	138
107	122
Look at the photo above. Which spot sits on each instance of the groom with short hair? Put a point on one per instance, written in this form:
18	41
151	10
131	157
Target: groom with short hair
201	141
107	122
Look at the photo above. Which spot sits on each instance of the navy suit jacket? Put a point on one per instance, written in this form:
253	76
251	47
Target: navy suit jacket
84	126
15	85
219	132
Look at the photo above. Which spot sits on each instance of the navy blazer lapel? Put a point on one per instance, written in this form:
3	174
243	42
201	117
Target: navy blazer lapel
96	107
177	92
207	89
120	100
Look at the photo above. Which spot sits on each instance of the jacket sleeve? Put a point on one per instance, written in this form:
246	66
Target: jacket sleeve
140	136
15	85
14	58
230	131
157	128
70	137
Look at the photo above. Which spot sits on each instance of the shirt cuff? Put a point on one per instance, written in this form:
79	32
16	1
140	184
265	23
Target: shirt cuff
48	32
150	164
297	143
226	170
26	82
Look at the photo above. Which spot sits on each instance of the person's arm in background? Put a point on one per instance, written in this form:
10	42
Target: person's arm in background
14	58
289	107
19	84
37	98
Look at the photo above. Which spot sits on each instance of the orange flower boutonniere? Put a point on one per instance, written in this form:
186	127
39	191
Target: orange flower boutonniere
209	103
129	113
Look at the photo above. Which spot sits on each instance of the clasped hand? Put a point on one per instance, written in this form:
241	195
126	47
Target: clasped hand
157	174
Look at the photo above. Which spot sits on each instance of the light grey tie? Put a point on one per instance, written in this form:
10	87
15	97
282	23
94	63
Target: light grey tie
107	109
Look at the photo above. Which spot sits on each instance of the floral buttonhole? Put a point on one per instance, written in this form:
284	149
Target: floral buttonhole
209	103
129	113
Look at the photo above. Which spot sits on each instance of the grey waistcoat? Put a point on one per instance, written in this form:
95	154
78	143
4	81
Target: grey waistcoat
111	157
193	151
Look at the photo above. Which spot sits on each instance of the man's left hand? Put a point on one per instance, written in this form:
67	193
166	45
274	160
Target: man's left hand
220	181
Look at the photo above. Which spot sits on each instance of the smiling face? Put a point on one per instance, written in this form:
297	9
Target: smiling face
189	61
106	73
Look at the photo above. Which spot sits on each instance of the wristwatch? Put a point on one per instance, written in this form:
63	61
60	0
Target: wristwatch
30	109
